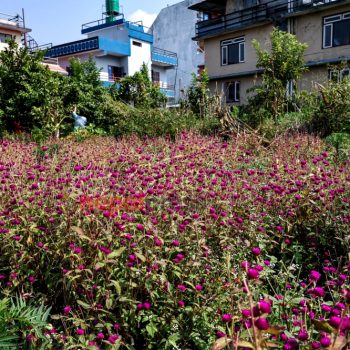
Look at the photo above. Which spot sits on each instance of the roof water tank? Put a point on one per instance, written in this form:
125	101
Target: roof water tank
112	9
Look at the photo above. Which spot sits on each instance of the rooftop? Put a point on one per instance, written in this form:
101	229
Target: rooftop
13	22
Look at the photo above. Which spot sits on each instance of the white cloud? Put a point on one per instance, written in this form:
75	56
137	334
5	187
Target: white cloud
140	15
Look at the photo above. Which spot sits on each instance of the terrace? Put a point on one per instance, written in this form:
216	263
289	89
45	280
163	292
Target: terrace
271	11
163	58
107	46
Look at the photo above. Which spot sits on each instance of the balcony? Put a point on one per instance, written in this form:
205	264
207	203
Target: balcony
101	24
163	58
138	31
269	12
105	45
167	89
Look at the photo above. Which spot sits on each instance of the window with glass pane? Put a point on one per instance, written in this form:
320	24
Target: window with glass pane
232	91
336	30
232	51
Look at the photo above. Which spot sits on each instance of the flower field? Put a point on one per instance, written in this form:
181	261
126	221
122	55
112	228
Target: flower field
192	244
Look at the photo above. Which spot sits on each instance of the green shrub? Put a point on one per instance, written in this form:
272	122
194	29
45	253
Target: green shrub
341	144
162	122
333	113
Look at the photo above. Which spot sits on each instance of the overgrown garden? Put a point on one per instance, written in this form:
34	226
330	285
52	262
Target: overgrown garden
199	228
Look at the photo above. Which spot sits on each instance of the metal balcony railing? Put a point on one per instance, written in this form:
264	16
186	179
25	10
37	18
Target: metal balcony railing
269	11
163	85
17	19
164	52
74	47
101	23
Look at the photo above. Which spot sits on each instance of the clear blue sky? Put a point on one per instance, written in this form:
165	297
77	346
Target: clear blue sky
60	21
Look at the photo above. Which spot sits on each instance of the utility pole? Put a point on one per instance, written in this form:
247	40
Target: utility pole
24	25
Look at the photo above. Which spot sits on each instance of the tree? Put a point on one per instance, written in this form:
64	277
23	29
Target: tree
198	93
282	67
22	81
139	90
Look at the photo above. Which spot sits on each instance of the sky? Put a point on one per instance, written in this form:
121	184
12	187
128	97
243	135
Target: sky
60	21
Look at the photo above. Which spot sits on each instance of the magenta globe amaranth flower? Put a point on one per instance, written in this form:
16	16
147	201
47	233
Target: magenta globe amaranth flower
253	274
113	338
314	276
315	345
80	331
100	335
181	288
67	309
246	313
262	323
181	303
199	287
256	251
335	321
303	335
325	341
226	318
146	305
265	307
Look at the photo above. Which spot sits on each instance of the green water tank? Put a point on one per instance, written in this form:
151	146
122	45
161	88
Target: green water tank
112	9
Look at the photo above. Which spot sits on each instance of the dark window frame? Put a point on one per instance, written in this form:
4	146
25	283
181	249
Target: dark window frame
224	50
328	24
137	43
236	84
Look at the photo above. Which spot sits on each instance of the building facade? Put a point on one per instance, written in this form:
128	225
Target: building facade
119	48
229	26
12	28
173	30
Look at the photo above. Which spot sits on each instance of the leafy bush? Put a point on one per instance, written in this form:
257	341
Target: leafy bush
139	90
162	122
283	65
22	325
341	144
333	114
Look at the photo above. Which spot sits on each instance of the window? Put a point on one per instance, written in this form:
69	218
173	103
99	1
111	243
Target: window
155	77
336	30
114	73
232	91
137	43
337	75
232	51
5	37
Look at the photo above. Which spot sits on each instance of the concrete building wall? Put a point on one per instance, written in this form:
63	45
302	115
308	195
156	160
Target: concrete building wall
315	75
162	74
118	33
220	87
309	29
17	36
64	61
173	30
105	61
213	51
139	55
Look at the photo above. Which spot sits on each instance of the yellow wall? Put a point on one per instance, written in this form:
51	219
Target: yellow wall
309	28
213	51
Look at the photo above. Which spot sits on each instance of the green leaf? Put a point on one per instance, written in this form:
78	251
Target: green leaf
151	329
221	343
141	257
84	305
116	253
322	326
116	284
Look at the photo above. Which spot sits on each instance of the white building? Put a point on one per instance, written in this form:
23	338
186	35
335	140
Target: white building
12	28
173	30
119	48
